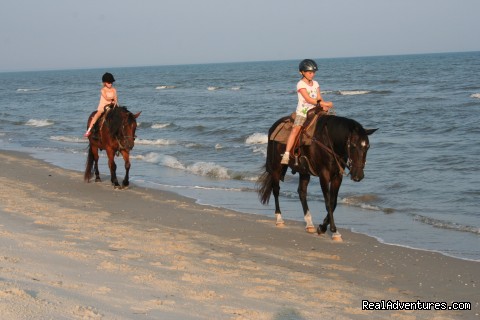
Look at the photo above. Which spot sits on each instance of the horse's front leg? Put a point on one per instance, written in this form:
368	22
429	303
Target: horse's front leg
334	188
126	158
325	184
330	189
302	193
113	168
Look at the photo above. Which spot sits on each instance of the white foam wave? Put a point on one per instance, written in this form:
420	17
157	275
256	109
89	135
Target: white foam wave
68	139
193	145
158	142
209	169
362	201
160	125
235	88
39	123
442	224
475	95
212	88
257	138
165	87
353	92
27	89
260	149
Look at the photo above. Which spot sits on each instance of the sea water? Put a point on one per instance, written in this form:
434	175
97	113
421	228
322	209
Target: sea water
203	134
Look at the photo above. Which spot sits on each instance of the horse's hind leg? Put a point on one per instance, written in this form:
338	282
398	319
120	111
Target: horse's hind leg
302	193
95	164
276	194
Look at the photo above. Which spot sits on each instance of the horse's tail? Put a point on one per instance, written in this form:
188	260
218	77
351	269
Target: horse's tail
88	165
264	187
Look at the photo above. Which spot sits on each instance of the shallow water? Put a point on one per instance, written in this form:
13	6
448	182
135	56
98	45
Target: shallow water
202	133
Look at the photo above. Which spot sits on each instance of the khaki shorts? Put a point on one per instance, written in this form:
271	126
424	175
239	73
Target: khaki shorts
299	120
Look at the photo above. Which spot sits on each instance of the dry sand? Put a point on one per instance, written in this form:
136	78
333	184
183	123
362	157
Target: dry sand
72	250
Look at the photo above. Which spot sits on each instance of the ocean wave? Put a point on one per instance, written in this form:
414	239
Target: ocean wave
260	149
160	125
209	169
150	183
39	123
158	142
68	139
475	95
213	88
164	87
442	224
363	201
352	92
235	88
28	89
257	138
206	169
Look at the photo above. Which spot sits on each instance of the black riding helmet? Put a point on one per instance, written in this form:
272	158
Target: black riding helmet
307	65
108	77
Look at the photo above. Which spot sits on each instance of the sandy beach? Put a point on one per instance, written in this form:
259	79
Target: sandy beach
72	250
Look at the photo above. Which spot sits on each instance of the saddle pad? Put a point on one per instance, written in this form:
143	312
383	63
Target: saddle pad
282	132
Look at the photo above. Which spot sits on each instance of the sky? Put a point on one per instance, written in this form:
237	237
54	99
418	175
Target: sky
67	34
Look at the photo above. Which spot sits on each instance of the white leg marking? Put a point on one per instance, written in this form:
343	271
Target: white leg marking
308	220
279	219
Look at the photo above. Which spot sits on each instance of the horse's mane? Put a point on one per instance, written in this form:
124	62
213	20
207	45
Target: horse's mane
339	128
115	119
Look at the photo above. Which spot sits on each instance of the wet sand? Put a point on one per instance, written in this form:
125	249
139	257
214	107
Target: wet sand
72	250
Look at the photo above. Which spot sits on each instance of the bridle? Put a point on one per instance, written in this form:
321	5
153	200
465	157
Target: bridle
124	140
349	164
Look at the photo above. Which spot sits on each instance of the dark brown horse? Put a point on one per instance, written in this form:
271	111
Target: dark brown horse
114	132
337	143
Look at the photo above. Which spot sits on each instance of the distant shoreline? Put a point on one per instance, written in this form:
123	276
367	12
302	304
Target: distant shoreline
113	67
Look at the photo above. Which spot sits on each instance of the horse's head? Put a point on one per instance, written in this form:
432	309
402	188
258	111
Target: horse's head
357	148
128	130
124	128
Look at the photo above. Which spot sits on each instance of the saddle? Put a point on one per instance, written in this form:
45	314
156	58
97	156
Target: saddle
97	127
281	133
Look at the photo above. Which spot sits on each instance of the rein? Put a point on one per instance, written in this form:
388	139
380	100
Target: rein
339	161
125	137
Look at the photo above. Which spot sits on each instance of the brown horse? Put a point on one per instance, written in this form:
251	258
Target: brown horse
337	143
114	132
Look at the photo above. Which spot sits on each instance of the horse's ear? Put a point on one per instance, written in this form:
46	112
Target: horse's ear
370	131
137	115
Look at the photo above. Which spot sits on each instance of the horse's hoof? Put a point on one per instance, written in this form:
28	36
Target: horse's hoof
337	237
310	229
280	224
98	180
117	187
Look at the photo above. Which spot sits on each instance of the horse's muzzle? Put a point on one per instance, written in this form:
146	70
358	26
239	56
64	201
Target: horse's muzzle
129	143
356	174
